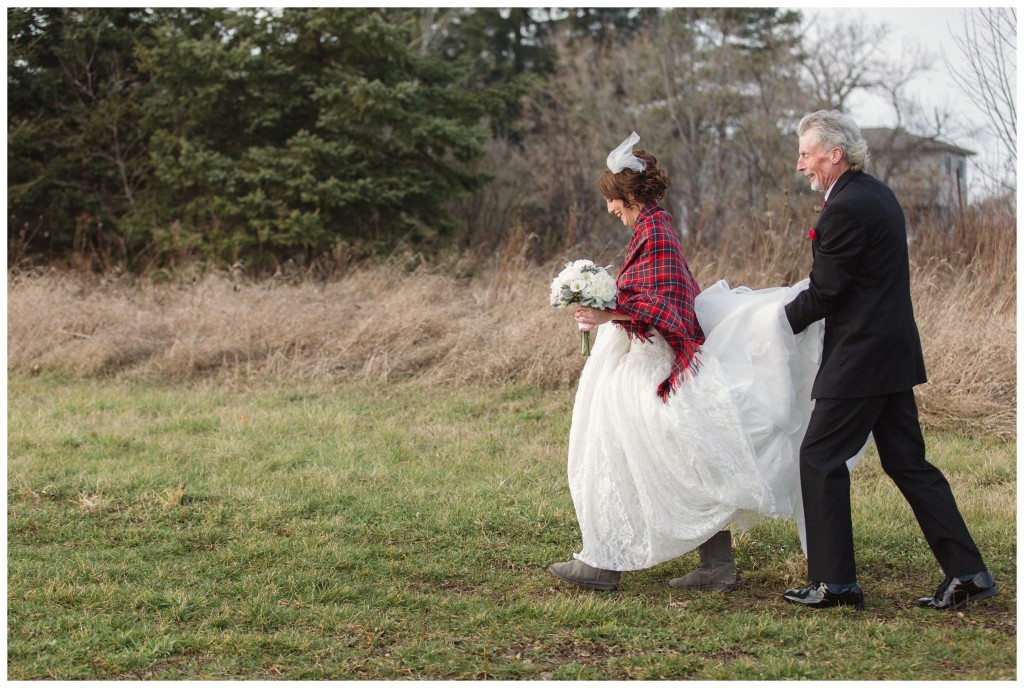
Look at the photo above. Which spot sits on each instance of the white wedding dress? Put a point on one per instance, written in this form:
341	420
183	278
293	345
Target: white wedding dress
651	481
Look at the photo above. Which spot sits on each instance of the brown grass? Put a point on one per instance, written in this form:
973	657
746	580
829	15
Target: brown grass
387	322
970	348
380	322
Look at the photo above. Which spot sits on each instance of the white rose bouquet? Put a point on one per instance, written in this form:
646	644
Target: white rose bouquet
585	284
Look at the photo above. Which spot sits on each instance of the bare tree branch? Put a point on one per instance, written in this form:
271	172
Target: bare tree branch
989	46
843	59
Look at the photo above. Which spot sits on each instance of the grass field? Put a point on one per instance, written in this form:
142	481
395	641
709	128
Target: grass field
350	530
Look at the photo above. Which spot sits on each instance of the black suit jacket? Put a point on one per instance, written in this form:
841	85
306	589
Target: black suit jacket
860	285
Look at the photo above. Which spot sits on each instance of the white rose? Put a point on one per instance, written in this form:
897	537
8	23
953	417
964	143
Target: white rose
569	274
605	290
556	292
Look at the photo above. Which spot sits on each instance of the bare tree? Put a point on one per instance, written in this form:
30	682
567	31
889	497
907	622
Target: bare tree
709	93
842	59
431	24
989	45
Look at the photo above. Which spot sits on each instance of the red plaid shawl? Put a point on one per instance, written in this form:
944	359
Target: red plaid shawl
656	289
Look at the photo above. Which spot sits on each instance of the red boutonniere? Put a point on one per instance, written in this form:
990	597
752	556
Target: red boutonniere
812	235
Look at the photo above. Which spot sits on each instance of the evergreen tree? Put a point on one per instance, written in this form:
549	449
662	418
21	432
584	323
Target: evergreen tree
315	125
249	134
77	153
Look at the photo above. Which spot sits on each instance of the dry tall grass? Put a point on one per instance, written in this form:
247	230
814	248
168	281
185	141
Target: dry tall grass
379	322
385	322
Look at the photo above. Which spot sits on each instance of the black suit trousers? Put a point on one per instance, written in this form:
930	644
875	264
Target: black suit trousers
838	428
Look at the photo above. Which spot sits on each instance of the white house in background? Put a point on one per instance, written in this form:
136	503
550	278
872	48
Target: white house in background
928	175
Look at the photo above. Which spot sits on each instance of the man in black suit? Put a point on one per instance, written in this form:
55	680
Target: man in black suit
871	361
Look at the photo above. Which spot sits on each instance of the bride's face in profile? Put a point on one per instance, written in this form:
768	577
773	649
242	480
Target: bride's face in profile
623	211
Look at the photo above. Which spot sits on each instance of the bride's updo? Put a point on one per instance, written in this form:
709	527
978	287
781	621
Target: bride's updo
636	187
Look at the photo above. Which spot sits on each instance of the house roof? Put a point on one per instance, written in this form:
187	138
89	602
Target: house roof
898	141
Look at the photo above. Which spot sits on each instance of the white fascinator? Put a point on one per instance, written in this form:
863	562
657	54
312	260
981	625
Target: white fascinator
622	157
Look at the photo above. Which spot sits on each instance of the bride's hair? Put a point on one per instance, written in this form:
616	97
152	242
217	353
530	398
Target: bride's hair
636	187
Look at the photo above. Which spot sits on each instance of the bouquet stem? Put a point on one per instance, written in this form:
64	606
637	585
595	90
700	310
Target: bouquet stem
585	343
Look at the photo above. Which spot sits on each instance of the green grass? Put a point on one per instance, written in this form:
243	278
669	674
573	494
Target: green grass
357	532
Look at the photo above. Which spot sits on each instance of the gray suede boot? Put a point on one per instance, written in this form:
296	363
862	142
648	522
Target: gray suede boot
586	576
716	571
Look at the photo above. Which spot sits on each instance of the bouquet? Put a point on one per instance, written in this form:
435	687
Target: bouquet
585	284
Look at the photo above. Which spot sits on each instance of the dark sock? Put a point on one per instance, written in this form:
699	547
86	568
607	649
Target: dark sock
968	577
839	588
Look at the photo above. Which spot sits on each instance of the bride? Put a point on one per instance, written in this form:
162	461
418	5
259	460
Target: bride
689	413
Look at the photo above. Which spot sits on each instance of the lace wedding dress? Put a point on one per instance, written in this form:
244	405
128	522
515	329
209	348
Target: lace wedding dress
651	481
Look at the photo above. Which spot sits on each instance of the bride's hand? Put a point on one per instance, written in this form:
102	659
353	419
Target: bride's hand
588	318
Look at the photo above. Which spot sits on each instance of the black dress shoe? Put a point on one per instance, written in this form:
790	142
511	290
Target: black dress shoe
954	593
818	596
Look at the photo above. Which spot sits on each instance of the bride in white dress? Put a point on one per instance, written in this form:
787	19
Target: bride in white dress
652	479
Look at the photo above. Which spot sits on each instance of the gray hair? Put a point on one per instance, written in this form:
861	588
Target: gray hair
836	130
